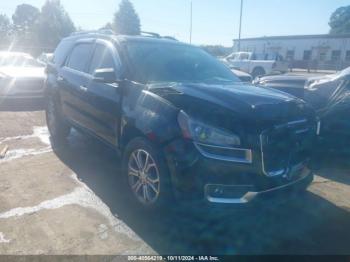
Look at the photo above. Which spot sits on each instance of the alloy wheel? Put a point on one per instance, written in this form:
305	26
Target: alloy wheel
143	176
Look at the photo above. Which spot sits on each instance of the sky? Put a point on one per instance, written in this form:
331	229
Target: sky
214	21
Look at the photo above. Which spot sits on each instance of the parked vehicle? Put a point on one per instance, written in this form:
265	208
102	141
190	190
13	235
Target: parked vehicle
181	120
292	84
256	64
45	58
21	77
329	95
243	76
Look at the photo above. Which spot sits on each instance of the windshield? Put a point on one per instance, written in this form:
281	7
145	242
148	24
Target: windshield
344	72
18	60
159	62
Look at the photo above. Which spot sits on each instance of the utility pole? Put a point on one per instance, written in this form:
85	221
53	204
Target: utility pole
191	24
240	27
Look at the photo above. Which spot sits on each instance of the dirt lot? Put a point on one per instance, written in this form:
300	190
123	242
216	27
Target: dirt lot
70	201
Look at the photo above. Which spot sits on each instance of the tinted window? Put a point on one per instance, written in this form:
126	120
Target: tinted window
79	57
347	56
176	63
307	55
244	56
61	52
102	58
336	55
290	55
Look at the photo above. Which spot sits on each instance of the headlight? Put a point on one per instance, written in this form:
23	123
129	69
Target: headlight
206	134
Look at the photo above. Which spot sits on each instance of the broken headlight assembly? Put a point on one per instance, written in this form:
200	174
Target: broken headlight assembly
213	142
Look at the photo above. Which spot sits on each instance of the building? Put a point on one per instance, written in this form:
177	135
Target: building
304	51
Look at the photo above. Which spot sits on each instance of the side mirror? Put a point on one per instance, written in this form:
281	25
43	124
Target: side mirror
104	75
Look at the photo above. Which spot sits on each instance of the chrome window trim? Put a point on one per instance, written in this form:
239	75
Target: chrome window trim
247	160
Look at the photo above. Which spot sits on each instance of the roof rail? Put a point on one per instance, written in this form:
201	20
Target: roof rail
150	34
170	38
111	32
155	35
101	31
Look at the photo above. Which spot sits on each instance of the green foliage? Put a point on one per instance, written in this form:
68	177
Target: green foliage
5	30
25	20
126	20
54	23
340	21
107	26
25	17
34	31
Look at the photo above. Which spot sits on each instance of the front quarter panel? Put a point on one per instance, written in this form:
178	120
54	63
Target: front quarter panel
149	114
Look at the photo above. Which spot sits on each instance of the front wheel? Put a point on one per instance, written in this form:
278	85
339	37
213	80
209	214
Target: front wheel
57	125
258	71
146	174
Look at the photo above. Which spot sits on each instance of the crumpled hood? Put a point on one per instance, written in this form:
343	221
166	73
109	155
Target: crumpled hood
246	101
23	72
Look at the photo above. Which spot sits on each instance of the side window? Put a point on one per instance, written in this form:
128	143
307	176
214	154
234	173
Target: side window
244	56
61	52
79	58
102	58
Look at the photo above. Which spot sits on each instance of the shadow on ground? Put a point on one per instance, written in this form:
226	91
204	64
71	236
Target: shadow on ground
335	167
307	224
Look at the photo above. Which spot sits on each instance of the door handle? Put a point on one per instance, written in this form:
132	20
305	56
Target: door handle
83	88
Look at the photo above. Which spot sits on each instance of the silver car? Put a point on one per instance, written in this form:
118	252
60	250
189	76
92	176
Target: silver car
21	77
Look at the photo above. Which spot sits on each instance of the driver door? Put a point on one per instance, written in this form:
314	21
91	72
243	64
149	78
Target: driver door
104	99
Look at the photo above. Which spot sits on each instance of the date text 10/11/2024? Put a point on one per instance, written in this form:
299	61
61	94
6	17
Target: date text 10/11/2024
173	258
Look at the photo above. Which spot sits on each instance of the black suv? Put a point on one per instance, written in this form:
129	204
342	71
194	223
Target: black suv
182	122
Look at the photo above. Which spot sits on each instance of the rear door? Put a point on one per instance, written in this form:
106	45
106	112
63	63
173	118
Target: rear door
73	80
104	99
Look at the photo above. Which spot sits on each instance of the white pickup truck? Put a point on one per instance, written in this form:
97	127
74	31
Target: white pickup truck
256	64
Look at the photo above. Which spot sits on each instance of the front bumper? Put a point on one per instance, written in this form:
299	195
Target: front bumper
244	196
197	177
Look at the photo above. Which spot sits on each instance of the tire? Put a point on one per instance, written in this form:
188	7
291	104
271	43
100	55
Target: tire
58	127
149	189
258	71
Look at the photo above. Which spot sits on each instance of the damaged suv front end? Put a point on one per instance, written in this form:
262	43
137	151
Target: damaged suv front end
252	143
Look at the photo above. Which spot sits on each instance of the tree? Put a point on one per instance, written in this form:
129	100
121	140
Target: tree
5	25
107	26
25	17
54	24
5	30
126	20
25	20
340	21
